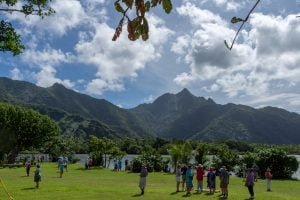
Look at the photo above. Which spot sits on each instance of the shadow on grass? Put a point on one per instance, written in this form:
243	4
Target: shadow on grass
29	188
24	176
209	194
173	193
137	195
94	168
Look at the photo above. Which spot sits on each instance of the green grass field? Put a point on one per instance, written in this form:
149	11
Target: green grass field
109	185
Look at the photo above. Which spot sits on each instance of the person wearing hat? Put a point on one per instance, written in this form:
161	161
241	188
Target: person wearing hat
268	176
143	175
211	180
224	181
200	174
249	183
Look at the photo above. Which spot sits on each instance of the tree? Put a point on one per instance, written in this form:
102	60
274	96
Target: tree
9	40
104	149
24	129
201	152
175	153
138	26
225	157
186	152
282	165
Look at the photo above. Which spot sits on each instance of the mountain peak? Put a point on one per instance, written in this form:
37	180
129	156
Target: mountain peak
57	85
185	92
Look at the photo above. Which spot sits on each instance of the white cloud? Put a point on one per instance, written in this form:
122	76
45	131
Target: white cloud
47	56
16	74
47	77
68	15
263	56
46	60
98	86
120	60
148	99
229	5
290	100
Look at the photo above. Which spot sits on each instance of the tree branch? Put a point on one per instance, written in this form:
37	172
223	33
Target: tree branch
242	25
10	10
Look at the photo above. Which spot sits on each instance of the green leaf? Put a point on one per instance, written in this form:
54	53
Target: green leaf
154	3
128	3
145	36
147	6
167	6
118	7
226	44
236	20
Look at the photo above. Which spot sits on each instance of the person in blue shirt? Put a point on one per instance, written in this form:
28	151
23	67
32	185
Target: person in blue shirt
189	179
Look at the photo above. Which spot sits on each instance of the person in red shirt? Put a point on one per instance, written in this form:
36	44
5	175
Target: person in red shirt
200	174
268	176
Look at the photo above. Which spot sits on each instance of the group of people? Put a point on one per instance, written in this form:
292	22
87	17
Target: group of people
185	173
117	165
184	177
37	172
62	166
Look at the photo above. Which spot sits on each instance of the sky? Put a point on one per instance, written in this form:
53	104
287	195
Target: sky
185	49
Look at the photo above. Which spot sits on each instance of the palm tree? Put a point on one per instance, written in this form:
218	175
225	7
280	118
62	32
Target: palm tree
175	153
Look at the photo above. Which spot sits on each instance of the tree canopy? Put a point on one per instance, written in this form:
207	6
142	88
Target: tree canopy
22	129
9	39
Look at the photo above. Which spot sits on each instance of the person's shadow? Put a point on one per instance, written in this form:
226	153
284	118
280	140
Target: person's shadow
29	188
137	195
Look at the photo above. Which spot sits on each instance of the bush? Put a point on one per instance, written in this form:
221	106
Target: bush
227	158
152	162
281	165
75	160
97	159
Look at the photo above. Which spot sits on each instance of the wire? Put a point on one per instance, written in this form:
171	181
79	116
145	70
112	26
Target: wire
4	187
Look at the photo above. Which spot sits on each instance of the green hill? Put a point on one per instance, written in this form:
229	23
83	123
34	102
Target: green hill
181	116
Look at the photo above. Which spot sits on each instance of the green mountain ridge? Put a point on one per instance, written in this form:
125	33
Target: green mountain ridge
180	116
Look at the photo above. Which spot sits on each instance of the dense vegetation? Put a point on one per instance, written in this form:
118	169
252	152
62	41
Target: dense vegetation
22	129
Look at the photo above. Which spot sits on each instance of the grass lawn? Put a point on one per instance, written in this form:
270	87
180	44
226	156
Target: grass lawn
108	185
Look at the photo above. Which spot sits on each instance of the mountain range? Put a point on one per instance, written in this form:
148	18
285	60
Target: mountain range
180	116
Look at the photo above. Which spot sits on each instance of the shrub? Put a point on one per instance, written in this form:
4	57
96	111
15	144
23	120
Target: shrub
153	162
282	165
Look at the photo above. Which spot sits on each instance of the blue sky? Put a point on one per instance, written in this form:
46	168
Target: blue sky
185	50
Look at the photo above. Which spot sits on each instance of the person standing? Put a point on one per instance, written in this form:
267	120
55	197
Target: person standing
211	180
183	175
66	160
250	179
37	176
255	171
61	166
268	176
126	165
178	177
200	174
189	180
119	165
27	167
224	181
143	176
